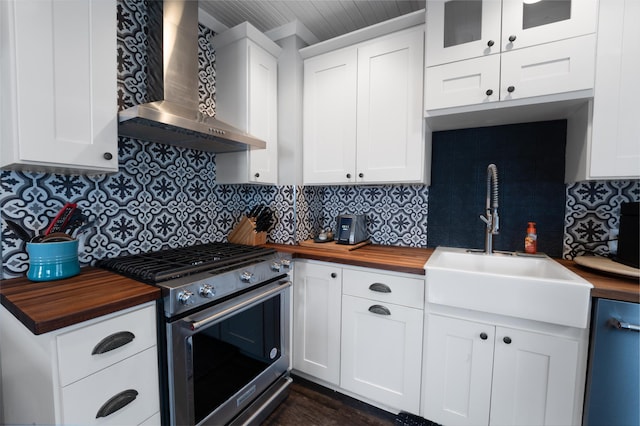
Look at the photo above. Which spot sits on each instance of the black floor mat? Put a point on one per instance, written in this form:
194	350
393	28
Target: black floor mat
408	419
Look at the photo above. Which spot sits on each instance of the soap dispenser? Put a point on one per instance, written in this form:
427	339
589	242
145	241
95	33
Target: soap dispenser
531	240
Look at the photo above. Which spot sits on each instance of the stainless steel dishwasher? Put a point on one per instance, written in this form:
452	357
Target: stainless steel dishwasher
613	377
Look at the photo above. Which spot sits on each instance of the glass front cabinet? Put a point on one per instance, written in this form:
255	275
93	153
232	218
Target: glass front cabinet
476	30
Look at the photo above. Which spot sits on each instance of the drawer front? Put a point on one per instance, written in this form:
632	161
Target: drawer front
137	375
384	287
129	333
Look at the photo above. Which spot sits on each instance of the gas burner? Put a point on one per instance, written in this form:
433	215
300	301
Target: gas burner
159	266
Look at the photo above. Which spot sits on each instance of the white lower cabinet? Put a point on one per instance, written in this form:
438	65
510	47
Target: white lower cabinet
381	352
477	373
360	330
99	372
317	299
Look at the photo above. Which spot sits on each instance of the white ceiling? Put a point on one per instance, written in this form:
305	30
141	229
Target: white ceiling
324	18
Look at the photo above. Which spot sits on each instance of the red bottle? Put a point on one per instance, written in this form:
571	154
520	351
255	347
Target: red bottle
531	240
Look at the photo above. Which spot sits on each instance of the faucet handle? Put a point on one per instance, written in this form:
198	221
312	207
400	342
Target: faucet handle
485	220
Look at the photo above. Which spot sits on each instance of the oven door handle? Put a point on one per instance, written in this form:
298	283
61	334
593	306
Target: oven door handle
242	303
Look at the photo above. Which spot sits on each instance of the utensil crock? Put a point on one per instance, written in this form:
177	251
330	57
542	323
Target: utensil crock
53	260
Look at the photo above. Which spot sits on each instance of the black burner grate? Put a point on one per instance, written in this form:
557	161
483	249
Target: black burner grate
158	266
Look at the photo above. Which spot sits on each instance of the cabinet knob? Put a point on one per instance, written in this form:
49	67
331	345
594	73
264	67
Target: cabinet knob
360	175
348	175
257	175
489	92
511	89
512	38
507	340
333	275
483	336
490	43
107	156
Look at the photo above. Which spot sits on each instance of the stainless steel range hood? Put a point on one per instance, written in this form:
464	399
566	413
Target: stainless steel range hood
175	119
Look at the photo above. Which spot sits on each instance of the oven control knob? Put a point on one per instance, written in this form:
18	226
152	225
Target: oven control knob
246	277
276	266
286	263
207	291
186	297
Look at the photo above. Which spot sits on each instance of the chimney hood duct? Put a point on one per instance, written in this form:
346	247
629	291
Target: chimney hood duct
175	119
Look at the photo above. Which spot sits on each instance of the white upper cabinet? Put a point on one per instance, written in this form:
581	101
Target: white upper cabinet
527	24
363	112
247	97
480	52
603	137
458	30
58	81
465	29
389	135
329	111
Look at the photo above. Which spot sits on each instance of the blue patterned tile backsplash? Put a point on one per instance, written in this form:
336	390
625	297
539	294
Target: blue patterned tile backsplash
165	196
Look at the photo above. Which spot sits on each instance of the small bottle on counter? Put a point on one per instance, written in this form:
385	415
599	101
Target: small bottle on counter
531	240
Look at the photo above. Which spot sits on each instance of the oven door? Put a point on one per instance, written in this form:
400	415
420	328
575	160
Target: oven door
224	357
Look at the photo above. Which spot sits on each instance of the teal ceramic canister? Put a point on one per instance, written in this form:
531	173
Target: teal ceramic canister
53	261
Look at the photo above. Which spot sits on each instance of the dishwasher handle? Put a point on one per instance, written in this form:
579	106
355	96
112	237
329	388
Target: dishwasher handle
620	325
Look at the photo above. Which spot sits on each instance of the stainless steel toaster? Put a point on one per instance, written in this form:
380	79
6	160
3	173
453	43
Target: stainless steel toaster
351	229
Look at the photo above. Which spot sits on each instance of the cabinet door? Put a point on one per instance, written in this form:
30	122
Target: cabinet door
564	66
390	143
534	379
329	114
529	24
317	303
246	96
263	114
469	82
457	372
615	141
382	352
461	29
59	94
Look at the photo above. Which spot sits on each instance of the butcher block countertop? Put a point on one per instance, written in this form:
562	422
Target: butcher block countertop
51	305
411	260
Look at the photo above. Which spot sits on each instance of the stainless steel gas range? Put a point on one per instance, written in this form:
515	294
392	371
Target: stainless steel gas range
223	329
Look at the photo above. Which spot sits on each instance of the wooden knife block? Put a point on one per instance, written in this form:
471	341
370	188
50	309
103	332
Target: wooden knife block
245	233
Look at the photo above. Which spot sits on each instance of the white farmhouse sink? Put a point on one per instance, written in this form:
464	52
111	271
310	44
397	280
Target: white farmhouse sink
535	288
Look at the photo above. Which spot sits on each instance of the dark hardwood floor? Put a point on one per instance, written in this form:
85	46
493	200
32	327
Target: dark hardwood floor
309	404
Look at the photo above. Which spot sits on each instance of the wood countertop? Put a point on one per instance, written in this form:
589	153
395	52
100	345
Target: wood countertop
411	260
51	305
